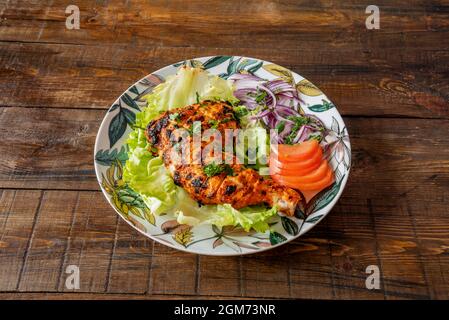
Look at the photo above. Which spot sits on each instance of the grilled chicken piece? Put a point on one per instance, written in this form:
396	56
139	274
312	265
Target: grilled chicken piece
244	187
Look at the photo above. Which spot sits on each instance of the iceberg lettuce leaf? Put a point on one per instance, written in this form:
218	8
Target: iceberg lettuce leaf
254	217
188	86
148	176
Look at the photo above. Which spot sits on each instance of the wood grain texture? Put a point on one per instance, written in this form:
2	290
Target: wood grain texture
48	142
57	151
329	262
228	24
104	296
391	85
381	82
19	210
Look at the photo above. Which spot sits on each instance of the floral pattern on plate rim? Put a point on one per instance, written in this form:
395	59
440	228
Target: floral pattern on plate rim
111	154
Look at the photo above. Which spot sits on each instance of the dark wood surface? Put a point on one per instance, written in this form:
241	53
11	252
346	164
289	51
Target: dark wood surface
391	85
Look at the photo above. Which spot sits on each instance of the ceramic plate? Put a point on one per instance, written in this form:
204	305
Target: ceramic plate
110	156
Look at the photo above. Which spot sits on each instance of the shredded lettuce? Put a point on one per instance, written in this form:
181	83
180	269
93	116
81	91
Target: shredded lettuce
189	212
188	86
147	175
248	218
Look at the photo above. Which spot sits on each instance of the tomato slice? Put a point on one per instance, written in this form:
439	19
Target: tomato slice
290	172
314	176
296	183
299	167
297	152
319	185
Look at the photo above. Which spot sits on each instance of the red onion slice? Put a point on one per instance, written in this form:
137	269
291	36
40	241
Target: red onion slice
281	102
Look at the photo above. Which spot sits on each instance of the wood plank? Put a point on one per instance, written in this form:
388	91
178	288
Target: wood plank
310	270
55	151
267	274
105	296
396	156
288	24
58	84
432	241
18	209
90	242
173	271
367	84
220	276
45	255
428	249
328	262
409	152
131	262
353	247
399	243
70	228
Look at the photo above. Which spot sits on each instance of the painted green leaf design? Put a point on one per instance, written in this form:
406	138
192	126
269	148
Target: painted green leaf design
117	128
299	213
241	66
129	116
347	162
179	64
129	101
130	197
256	67
314	219
276	237
115	106
290	226
322	107
215	61
134	90
323	198
245	63
232	67
107	157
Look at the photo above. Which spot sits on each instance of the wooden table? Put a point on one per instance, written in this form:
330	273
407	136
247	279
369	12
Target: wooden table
391	86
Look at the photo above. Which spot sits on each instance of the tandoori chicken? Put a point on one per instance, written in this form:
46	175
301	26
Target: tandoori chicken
205	181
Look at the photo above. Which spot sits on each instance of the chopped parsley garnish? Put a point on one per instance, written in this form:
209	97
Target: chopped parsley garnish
214	124
153	150
240	111
317	137
261	96
197	97
213	169
228	170
234	103
280	127
299	122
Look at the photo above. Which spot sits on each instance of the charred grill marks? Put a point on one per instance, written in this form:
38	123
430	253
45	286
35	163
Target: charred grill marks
230	190
244	187
154	128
